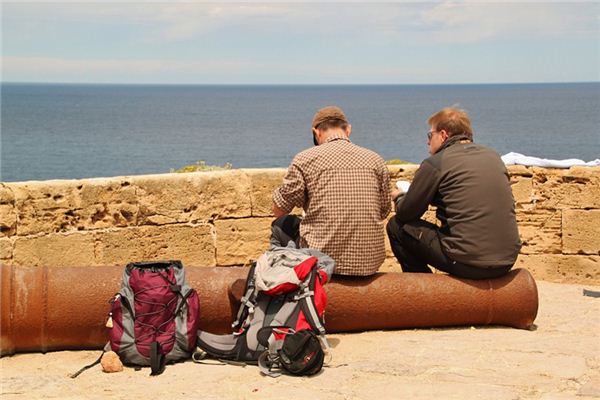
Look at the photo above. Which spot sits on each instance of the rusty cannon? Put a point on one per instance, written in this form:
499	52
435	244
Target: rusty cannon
45	309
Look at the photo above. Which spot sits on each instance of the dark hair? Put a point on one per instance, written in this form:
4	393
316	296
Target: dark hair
332	124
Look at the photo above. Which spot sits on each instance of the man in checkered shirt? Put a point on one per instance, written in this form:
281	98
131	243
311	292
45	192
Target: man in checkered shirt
344	191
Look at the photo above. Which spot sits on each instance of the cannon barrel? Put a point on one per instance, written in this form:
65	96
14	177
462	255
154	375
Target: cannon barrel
46	309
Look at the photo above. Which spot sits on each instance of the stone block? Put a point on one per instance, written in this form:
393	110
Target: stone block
540	231
571	188
106	203
562	268
54	250
263	182
241	240
519	170
8	220
404	172
522	189
8	215
581	232
77	205
44	207
192	244
193	197
6	249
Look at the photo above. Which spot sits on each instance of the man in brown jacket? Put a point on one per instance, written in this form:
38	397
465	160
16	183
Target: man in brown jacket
468	183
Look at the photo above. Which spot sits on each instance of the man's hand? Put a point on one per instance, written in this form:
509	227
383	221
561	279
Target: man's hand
396	193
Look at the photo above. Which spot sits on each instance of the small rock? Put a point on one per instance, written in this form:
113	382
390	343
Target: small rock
111	362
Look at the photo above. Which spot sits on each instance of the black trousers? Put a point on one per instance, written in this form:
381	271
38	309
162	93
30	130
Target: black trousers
417	244
285	229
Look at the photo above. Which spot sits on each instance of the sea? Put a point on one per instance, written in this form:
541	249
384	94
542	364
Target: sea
71	131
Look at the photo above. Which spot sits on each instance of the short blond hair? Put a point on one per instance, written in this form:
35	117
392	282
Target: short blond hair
453	120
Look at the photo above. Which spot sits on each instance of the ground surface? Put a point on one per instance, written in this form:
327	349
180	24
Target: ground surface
558	360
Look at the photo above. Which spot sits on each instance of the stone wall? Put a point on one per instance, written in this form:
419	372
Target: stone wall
223	219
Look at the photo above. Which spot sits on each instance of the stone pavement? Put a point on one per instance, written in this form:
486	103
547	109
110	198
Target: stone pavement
560	359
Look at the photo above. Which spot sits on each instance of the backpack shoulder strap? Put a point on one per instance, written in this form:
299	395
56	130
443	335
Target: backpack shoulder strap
307	303
248	300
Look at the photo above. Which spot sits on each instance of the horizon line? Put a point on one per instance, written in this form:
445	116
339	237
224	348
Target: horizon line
291	84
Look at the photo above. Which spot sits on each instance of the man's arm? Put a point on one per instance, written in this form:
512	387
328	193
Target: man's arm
290	194
385	203
413	204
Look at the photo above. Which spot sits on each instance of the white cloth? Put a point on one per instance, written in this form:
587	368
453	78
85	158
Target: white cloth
520	159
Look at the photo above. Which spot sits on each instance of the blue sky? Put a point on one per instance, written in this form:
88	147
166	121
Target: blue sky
301	43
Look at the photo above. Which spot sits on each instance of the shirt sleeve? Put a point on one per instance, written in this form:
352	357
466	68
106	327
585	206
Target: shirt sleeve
386	202
423	188
292	191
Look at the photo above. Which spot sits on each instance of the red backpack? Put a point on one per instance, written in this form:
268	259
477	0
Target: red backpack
153	319
279	325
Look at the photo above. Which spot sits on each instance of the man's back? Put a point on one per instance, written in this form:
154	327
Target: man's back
344	191
476	206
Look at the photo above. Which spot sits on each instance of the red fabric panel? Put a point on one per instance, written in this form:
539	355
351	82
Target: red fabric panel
301	323
154	307
304	268
280	336
320	294
282	288
116	332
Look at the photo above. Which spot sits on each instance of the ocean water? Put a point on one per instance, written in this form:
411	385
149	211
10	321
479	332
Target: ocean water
64	131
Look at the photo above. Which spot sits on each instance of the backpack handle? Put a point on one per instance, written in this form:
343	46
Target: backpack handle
154	265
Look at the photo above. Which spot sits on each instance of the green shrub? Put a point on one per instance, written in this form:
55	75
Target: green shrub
201	166
396	162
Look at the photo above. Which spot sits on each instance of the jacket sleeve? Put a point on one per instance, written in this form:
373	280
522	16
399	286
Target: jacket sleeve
420	194
384	184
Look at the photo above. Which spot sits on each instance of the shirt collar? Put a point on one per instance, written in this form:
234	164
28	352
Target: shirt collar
339	136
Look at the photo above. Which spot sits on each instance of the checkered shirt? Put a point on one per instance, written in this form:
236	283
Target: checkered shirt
345	193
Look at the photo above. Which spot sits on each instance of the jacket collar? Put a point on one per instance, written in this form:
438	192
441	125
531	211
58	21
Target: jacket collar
453	140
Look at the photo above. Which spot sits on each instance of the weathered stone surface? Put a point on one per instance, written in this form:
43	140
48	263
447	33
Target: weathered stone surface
571	188
390	264
520	170
522	188
557	211
54	250
74	205
6	248
193	197
8	220
241	240
540	231
192	244
44	206
581	231
402	172
8	215
263	182
562	268
106	203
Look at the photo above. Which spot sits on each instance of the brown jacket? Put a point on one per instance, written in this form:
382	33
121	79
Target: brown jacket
469	185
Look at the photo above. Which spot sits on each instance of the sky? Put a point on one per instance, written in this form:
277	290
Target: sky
444	42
